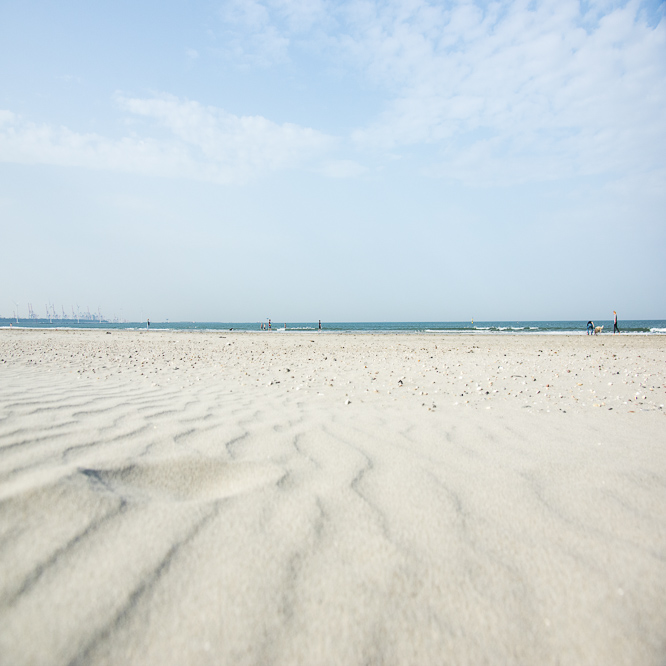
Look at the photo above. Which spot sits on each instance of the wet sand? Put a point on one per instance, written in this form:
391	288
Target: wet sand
255	498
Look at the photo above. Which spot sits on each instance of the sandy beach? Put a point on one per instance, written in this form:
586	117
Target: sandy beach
271	498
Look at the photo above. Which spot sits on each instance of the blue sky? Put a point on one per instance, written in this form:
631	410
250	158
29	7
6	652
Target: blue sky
306	159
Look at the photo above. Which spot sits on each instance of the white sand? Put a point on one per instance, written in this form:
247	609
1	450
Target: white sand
176	498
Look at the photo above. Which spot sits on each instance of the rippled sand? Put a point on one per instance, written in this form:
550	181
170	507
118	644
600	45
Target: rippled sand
224	498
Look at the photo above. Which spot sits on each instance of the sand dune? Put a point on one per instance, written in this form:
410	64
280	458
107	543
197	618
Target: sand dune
227	498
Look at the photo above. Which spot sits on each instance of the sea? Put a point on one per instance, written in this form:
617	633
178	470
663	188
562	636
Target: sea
628	326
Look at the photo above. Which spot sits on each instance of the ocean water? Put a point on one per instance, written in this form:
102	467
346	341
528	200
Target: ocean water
632	327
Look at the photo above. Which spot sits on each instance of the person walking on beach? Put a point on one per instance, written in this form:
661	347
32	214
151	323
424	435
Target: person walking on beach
615	328
590	327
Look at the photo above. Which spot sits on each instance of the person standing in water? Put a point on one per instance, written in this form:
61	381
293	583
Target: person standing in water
320	324
590	327
615	328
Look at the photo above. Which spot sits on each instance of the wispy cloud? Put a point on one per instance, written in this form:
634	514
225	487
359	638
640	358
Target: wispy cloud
483	92
263	32
502	91
516	91
202	142
251	36
342	169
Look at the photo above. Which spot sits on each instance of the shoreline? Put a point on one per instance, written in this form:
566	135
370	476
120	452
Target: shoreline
628	327
295	331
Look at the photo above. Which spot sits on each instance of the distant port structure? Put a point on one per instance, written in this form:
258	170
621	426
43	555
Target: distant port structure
78	315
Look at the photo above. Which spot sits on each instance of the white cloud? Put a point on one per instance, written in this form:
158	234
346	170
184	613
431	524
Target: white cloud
251	36
260	33
484	92
69	78
6	117
504	90
342	169
293	16
203	143
236	145
519	91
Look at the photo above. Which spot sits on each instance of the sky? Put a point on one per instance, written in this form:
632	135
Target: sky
393	160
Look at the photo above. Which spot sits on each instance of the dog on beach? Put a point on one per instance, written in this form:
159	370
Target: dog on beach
597	329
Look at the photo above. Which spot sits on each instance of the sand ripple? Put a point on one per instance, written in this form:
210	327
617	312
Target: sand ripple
199	514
